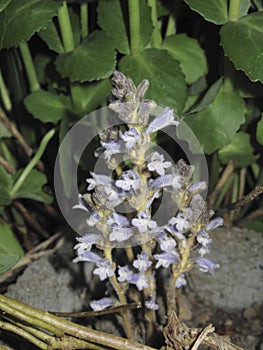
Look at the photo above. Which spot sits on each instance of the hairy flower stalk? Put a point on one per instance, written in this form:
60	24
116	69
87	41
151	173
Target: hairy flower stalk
120	211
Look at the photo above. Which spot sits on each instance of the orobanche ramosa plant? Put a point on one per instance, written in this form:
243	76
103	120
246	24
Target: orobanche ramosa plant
145	260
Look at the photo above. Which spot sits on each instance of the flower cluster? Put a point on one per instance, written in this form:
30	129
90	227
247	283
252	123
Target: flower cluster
140	176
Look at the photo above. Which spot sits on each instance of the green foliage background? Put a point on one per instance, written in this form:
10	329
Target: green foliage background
204	59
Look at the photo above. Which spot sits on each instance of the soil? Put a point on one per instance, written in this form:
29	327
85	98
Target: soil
231	299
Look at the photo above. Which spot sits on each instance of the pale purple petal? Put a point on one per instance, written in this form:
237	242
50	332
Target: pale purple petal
88	256
142	263
215	223
151	304
124	273
104	269
165	259
181	281
101	304
163	120
206	265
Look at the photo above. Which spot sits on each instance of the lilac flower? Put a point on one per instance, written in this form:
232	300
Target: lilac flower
111	148
158	164
93	219
203	238
151	304
140	280
130	137
167	244
181	281
214	223
142	262
119	228
101	304
86	242
130	180
143	222
180	222
203	251
162	121
175	233
173	180
198	186
103	269
165	259
206	265
88	256
98	179
125	273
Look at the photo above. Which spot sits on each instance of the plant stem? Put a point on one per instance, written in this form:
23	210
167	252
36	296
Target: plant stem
233	10
121	295
60	327
134	22
84	20
156	35
5	94
29	66
33	162
171	26
65	28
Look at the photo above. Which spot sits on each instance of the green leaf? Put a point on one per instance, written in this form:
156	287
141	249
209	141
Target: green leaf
190	55
255	225
242	42
244	7
167	83
51	38
46	106
212	10
90	96
6	183
21	19
260	131
32	187
10	249
93	59
208	97
111	20
239	149
3	4
215	125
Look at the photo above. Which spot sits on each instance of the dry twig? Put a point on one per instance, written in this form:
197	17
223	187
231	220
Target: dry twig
180	337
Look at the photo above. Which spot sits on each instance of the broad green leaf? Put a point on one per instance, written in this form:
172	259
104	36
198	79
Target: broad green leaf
111	20
46	106
242	42
167	83
10	249
190	55
244	7
51	37
32	187
6	183
260	131
93	59
89	97
239	149
3	4
212	10
208	97
215	125
21	19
